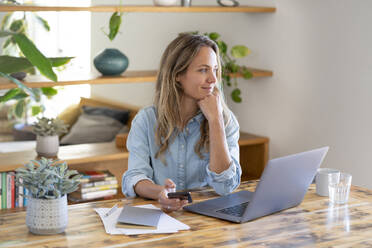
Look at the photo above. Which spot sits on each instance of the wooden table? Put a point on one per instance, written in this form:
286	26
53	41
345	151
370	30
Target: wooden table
314	223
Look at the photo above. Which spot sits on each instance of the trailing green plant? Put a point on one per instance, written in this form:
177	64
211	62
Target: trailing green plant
47	179
49	127
27	101
114	24
230	68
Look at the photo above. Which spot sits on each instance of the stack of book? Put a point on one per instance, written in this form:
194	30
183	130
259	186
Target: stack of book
11	195
94	185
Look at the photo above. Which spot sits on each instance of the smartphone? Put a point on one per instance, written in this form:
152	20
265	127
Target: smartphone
182	195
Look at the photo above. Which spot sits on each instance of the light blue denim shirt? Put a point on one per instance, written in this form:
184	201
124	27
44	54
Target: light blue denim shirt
183	165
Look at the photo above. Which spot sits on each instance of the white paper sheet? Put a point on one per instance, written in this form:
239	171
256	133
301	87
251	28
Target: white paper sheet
167	224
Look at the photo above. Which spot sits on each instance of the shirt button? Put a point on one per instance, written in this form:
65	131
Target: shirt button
181	165
182	146
187	129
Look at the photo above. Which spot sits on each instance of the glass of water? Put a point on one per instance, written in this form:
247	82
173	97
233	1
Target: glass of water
339	187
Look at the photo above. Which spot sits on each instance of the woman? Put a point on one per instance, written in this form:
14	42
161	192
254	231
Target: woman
189	138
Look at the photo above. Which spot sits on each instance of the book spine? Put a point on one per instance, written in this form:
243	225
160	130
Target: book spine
25	193
20	194
98	194
99	188
106	182
97	179
8	190
4	196
12	190
16	194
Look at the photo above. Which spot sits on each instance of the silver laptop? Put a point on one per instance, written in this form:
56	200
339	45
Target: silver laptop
283	185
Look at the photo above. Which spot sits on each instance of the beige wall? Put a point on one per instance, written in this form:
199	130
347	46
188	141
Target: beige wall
319	50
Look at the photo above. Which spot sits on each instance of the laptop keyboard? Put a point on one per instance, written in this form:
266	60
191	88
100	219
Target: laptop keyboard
236	210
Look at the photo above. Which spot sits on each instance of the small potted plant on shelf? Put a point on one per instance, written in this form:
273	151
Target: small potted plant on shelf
48	182
47	132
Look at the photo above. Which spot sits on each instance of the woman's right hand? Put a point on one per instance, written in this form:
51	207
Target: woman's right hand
169	205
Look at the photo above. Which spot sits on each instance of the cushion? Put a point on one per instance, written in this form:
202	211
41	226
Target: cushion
120	115
70	114
92	129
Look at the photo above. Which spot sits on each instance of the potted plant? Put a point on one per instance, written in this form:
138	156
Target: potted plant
21	56
48	182
47	132
111	61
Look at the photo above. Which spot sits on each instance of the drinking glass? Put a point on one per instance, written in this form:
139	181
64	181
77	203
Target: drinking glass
339	187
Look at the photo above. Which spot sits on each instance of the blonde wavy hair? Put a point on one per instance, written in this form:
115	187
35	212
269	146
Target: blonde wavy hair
168	93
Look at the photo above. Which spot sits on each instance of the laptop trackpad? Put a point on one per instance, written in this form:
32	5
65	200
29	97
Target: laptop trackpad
226	201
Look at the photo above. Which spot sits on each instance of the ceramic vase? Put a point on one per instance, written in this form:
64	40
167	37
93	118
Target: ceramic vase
47	216
111	62
47	146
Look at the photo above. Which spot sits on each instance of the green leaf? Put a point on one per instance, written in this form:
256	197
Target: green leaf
20	108
35	56
246	73
49	91
214	36
43	22
5	33
10	94
7	42
240	51
59	61
35	110
17	25
20	85
222	46
115	22
232	67
10	64
21	95
235	95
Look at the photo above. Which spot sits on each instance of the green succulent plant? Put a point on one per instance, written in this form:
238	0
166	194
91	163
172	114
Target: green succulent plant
49	127
47	179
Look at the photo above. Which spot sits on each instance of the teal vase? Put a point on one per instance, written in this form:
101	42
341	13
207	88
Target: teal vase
111	62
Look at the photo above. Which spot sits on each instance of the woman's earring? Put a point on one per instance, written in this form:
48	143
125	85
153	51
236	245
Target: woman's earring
228	3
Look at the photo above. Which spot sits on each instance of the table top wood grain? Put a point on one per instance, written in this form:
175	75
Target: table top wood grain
314	223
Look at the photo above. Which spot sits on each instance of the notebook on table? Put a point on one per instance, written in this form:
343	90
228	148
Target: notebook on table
138	218
283	185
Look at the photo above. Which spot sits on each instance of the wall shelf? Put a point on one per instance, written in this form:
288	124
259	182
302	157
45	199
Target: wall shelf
139	8
87	154
81	78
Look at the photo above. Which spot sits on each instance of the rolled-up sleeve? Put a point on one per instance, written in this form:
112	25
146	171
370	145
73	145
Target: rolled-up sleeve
139	167
229	179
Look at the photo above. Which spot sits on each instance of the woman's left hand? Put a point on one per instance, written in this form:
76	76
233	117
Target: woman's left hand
211	107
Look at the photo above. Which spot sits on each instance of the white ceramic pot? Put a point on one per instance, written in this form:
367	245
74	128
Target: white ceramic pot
47	216
47	146
165	2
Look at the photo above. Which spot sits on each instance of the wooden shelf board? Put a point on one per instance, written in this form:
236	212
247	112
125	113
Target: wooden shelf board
72	154
89	153
252	139
89	78
139	8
